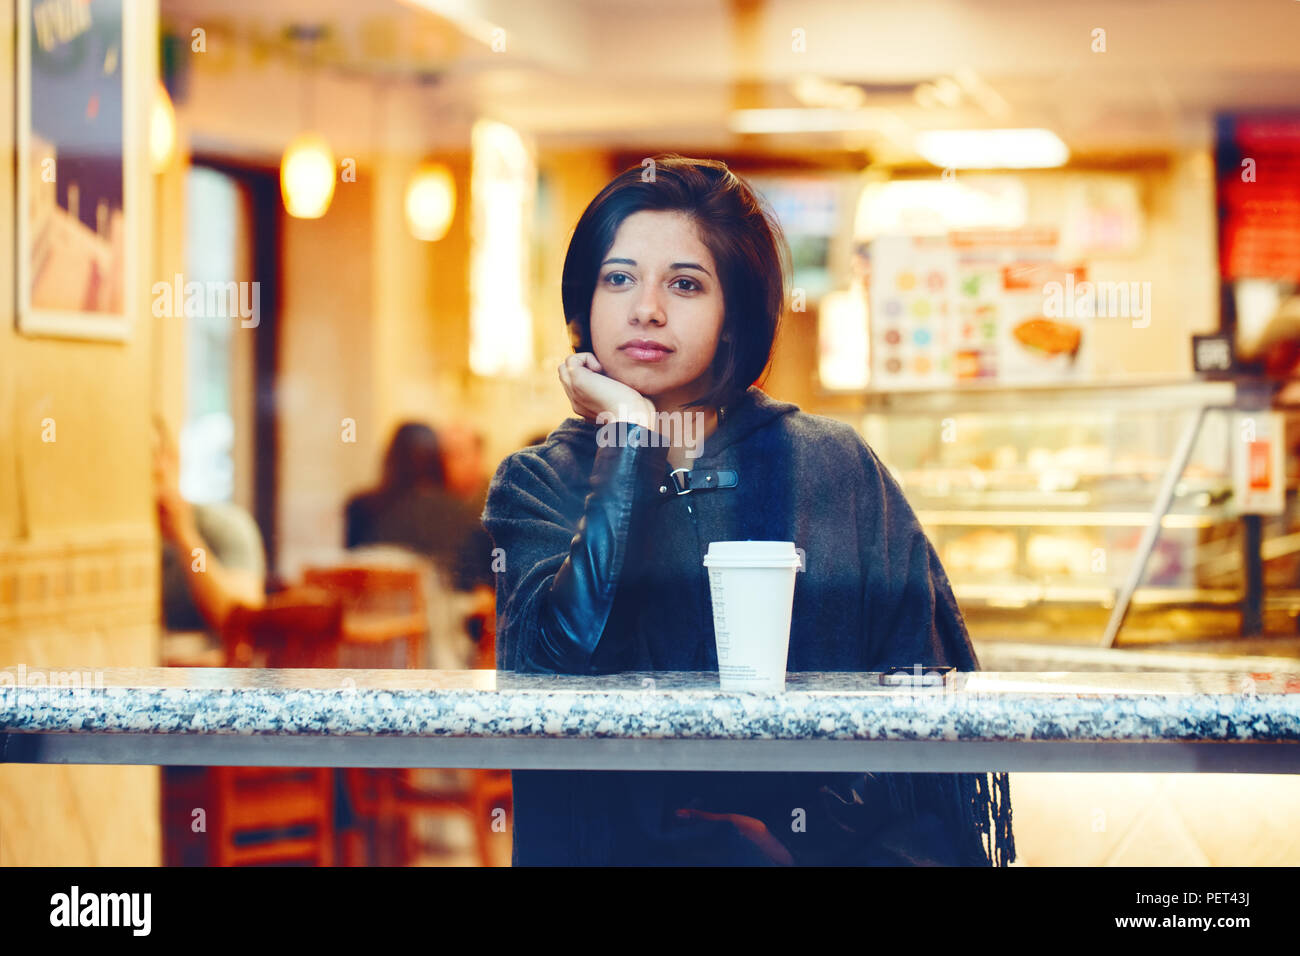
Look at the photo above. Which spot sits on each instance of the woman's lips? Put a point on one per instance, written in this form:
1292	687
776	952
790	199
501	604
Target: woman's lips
646	354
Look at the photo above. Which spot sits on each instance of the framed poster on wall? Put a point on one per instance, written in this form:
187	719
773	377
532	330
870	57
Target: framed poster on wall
77	218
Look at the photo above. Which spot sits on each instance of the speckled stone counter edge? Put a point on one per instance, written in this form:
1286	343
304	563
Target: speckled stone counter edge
1227	706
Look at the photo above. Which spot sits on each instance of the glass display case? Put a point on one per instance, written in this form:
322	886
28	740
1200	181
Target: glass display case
1038	496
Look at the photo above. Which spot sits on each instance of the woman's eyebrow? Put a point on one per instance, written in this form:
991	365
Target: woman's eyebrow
671	265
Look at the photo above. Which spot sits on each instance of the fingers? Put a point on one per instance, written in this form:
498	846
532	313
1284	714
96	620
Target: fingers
592	392
586	383
576	393
584	360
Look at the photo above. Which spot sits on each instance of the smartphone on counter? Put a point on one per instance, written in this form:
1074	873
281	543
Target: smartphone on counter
931	675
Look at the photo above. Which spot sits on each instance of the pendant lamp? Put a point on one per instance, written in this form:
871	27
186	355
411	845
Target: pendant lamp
307	168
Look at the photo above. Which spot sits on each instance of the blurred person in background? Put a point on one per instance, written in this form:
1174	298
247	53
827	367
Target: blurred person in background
212	555
462	456
416	505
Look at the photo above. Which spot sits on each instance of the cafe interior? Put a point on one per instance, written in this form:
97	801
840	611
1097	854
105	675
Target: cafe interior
319	247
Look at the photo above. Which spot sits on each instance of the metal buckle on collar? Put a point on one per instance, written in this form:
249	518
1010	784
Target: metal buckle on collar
684	480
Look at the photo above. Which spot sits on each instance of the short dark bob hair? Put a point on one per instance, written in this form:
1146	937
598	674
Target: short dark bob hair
735	225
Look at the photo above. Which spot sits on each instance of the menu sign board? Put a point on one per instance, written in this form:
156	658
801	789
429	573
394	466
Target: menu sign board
1258	159
990	305
911	318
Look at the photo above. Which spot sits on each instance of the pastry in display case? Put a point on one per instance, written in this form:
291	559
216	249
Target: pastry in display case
1041	495
984	551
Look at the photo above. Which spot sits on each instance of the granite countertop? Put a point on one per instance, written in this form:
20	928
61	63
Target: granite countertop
982	706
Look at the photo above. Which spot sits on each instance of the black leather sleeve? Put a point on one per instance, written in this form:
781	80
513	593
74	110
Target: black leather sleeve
624	482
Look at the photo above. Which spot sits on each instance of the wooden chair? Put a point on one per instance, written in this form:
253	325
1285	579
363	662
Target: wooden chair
278	815
385	623
385	616
300	627
492	788
384	605
486	791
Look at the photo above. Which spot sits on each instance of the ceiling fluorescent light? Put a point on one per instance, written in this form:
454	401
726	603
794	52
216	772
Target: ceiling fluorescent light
794	121
817	121
992	148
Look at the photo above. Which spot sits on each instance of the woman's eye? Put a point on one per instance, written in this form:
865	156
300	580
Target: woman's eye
614	279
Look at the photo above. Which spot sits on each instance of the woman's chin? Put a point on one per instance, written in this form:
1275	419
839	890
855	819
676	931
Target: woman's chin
652	382
644	380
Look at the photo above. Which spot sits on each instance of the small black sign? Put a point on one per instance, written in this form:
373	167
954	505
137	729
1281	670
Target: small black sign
1213	354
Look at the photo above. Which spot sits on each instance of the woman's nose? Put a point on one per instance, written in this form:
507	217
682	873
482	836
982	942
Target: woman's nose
649	308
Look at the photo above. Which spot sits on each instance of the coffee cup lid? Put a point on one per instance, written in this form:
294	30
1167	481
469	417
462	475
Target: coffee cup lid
752	554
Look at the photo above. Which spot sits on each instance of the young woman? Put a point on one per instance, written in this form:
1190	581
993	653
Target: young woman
673	288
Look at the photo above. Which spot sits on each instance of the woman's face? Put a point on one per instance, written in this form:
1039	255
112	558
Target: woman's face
659	284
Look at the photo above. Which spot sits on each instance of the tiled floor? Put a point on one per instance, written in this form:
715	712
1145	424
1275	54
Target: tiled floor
1157	819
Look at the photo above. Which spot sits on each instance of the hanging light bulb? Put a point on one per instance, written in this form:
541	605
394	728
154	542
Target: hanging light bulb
162	130
430	202
307	166
307	176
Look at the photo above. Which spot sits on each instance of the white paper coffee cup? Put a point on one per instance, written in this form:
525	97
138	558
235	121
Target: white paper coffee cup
752	586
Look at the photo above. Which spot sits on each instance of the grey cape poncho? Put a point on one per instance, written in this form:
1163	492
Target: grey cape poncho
873	595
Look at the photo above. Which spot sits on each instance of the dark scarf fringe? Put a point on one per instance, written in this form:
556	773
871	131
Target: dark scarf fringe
1004	843
979	810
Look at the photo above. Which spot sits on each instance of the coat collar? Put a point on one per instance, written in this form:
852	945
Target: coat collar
737	421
